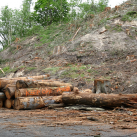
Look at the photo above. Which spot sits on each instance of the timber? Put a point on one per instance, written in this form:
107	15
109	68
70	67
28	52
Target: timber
8	103
4	82
47	91
101	100
1	103
10	92
2	96
39	83
35	102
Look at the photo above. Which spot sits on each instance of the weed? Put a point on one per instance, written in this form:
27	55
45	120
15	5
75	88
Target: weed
30	68
51	70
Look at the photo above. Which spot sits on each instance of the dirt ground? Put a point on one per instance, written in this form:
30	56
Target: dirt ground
120	122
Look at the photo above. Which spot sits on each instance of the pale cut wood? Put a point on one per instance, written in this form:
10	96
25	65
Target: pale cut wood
101	100
4	82
8	103
47	91
39	83
35	102
10	92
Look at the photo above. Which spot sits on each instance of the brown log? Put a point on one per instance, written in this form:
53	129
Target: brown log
39	83
101	100
1	103
10	92
8	103
35	102
4	82
12	103
2	96
48	91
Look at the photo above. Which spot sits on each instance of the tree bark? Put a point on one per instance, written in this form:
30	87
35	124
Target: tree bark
48	91
101	100
10	92
2	96
35	102
102	86
8	103
1	103
39	83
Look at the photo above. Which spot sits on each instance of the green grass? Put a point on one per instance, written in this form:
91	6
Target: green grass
30	68
129	16
51	70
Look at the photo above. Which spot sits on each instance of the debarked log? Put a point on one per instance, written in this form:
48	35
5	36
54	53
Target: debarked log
8	103
47	91
4	82
10	92
36	102
39	83
101	100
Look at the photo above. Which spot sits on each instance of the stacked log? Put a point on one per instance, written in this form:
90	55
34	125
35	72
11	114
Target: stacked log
31	92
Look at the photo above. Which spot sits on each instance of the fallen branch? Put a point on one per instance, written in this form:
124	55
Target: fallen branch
76	33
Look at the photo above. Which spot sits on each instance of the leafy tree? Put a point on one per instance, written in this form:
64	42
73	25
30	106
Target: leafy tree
5	25
48	11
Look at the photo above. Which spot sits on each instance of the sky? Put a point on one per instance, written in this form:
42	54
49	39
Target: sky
15	4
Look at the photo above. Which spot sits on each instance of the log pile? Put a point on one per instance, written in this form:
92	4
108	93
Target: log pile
37	92
31	92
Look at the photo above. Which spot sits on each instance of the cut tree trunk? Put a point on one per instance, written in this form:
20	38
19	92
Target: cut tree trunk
101	100
4	82
8	103
39	83
1	103
2	96
102	86
48	91
35	102
10	92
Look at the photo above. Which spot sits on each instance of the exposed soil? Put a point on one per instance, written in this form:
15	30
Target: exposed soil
65	122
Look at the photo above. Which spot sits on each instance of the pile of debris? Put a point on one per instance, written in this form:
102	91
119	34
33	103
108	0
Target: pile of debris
37	92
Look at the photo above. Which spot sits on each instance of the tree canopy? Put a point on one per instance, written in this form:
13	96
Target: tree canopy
49	11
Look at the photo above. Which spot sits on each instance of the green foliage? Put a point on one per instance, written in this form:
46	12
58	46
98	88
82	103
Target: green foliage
129	16
30	68
51	70
49	11
5	25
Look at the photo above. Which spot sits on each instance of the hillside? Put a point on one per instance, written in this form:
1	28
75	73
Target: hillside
103	46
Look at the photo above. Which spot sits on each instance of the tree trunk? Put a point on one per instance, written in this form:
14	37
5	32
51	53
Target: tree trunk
1	103
35	102
4	82
48	91
39	83
102	86
2	96
101	100
8	103
10	92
